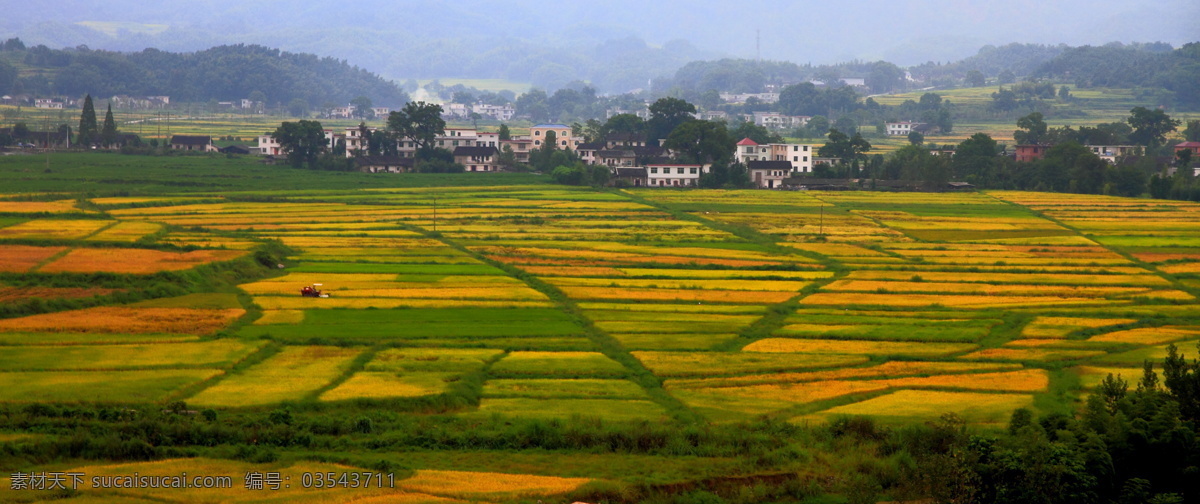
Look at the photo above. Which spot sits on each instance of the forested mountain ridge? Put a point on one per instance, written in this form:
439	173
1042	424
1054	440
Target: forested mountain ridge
221	73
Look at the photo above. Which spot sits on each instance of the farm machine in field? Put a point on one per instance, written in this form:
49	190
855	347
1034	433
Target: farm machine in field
313	291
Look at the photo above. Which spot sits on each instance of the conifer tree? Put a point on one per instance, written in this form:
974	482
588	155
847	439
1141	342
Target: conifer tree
87	123
108	134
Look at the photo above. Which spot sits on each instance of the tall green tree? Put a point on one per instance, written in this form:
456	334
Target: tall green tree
701	142
362	107
303	142
975	78
108	134
975	159
1032	129
1192	132
88	132
419	122
665	115
845	148
504	133
1150	127
760	134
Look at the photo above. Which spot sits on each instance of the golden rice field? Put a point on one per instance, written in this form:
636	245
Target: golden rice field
54	229
112	319
827	303
289	375
134	261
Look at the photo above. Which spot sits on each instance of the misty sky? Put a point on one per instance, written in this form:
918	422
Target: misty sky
902	31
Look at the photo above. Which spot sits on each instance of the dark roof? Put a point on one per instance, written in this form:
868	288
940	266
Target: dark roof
769	165
383	161
650	151
475	151
624	137
235	149
616	153
591	146
631	172
190	140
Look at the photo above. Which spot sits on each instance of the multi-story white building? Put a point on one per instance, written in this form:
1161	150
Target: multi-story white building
902	128
497	112
777	120
674	175
1110	153
800	156
742	97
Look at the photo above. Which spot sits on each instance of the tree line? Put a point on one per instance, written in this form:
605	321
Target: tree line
221	73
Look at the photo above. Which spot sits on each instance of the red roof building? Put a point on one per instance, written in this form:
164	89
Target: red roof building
1192	146
747	141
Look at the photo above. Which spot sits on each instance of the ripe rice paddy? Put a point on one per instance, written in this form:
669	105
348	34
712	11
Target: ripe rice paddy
805	305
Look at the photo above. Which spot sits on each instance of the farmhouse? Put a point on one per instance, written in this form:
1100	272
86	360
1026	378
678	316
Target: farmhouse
799	156
674	175
477	159
562	134
632	176
1029	153
769	174
902	128
1110	153
196	143
384	164
1192	146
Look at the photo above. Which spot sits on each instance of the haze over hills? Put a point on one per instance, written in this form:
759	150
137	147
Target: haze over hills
617	45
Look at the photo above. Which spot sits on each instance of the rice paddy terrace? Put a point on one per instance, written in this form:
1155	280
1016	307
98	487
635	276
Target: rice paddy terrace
564	304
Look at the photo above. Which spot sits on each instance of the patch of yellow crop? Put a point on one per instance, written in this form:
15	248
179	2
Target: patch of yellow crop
1025	380
574	271
289	375
716	363
126	232
301	303
135	261
280	317
727	296
922	300
1059	327
383	385
1148	335
981	288
975	407
116	319
1091	376
888	369
657	283
60	206
787	345
53	229
1192	267
1031	354
1012	278
479	485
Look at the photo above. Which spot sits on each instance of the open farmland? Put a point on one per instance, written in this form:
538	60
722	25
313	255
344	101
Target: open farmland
527	311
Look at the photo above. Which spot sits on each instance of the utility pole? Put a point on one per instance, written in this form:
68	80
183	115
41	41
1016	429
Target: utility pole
821	229
435	212
758	45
